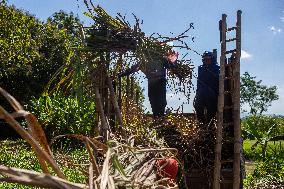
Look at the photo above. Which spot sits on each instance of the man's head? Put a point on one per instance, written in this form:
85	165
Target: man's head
208	58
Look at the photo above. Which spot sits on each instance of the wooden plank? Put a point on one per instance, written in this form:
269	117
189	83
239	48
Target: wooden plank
218	147
100	109
232	28
116	107
236	111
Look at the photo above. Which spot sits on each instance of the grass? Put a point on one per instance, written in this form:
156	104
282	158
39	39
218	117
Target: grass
19	154
72	160
255	155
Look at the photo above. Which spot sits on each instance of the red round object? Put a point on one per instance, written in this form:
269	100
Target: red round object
168	168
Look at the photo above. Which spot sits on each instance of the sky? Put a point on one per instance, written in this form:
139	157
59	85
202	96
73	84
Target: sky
262	31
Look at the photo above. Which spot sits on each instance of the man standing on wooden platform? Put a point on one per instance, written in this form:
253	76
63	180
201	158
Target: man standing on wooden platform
206	99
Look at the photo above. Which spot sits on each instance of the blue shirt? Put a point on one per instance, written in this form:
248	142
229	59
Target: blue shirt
208	81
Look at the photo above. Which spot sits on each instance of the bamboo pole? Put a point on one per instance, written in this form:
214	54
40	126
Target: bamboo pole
236	114
218	147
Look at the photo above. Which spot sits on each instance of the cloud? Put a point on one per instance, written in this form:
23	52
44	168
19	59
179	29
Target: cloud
282	19
275	30
245	55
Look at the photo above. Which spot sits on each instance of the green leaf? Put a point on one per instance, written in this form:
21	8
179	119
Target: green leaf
117	165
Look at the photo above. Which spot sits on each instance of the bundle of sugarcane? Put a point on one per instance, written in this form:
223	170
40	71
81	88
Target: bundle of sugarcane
110	34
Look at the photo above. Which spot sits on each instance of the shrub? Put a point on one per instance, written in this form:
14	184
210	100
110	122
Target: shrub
61	114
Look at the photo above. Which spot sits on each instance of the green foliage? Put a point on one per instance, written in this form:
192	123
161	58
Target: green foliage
68	22
61	114
19	39
270	168
263	129
18	154
259	97
31	52
255	154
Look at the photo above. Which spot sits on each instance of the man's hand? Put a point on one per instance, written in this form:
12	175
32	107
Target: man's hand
172	56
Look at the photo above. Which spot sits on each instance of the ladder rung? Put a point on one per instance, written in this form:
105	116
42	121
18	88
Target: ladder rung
228	140
230	123
228	107
226	181
229	64
227	92
231	51
229	40
227	161
232	28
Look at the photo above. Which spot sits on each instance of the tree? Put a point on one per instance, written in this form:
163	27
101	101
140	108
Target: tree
31	51
259	97
68	22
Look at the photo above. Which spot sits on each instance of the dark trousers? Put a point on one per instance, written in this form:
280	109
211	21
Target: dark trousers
157	96
205	108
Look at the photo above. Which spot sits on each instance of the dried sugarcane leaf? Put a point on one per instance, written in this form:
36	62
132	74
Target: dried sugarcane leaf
111	184
14	103
17	114
37	132
37	148
105	171
27	177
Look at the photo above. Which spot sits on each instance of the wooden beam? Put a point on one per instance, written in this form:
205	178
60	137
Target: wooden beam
236	110
218	147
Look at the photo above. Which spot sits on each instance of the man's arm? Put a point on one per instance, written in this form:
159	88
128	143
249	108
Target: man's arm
130	70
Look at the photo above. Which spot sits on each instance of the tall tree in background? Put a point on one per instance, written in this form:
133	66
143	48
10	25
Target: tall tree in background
32	51
258	96
68	22
257	126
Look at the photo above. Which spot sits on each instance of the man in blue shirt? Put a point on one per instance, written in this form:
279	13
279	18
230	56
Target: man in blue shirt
155	71
206	99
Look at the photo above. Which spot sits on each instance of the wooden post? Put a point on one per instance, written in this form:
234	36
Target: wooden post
132	88
218	147
100	109
127	97
119	92
112	119
106	95
137	96
119	81
127	86
236	111
116	107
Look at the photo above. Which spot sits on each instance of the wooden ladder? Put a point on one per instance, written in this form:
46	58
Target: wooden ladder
228	116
